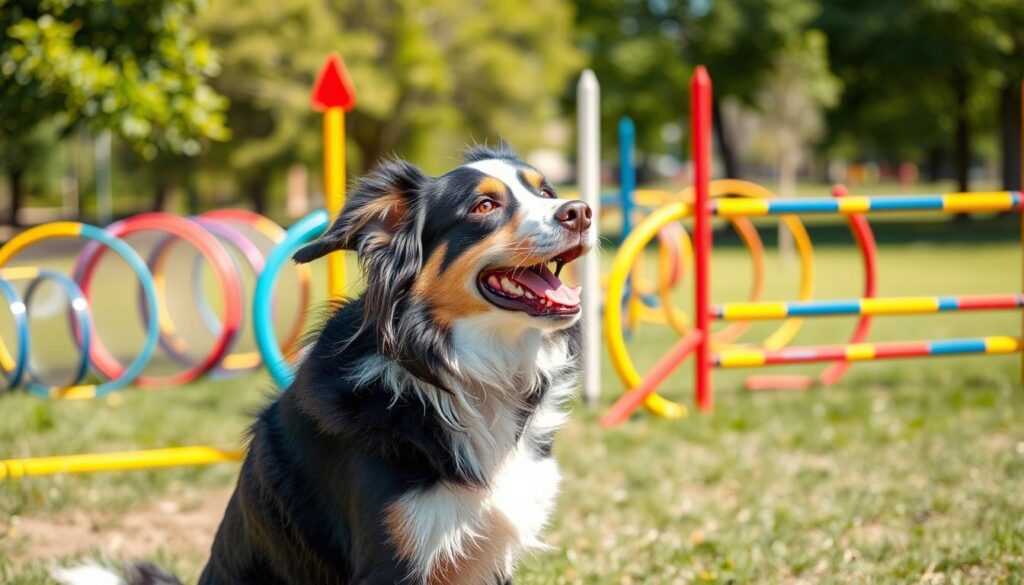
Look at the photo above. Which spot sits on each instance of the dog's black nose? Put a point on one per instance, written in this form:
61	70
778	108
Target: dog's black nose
574	215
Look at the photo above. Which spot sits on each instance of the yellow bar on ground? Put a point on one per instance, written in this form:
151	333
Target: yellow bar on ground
744	311
741	207
95	462
334	191
741	358
860	352
899	306
1002	344
981	201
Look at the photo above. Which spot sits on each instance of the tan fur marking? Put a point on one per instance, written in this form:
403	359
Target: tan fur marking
395	525
386	210
482	556
491	186
448	293
533	178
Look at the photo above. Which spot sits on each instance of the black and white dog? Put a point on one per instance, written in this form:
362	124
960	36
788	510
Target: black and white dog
415	444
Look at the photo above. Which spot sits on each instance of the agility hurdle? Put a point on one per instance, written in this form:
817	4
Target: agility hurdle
698	342
332	95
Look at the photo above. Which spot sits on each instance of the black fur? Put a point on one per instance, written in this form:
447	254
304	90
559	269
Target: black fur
328	456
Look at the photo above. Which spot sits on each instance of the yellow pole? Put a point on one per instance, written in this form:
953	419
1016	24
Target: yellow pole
334	191
94	462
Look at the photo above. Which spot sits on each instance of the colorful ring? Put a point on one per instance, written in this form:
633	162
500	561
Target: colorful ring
304	231
170	341
81	330
274	234
70	229
14	367
634	245
223	266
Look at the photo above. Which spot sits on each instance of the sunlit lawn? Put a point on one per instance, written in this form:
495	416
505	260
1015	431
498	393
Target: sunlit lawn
906	471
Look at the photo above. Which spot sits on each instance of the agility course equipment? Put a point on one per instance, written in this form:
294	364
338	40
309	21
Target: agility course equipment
332	95
208	234
700	341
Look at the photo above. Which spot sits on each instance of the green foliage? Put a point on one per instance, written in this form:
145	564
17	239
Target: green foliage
135	67
643	53
426	73
899	62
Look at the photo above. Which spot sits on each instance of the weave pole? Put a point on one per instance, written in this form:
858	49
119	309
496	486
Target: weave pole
700	132
588	177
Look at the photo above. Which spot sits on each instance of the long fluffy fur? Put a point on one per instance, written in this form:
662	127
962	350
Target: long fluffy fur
407	449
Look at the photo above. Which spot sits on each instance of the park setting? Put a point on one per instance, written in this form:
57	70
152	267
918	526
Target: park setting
802	352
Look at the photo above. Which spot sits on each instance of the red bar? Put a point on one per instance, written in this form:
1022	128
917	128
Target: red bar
700	132
982	302
632	400
901	350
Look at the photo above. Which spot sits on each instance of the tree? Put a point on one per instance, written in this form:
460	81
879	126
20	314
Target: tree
429	75
643	53
800	88
741	43
136	68
635	51
924	77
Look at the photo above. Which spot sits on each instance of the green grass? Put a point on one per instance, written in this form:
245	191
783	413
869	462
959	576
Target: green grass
907	471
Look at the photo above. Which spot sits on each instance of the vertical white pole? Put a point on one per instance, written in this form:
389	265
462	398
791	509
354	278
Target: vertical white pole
588	177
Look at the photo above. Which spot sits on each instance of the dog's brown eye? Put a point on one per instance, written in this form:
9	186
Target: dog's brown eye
485	206
546	192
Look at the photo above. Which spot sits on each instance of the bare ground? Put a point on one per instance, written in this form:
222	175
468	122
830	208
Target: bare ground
184	523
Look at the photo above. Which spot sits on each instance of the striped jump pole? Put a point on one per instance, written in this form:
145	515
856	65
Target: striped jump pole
866	306
945	203
859	352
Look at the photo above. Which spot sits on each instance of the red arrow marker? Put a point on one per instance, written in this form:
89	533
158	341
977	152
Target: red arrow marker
333	87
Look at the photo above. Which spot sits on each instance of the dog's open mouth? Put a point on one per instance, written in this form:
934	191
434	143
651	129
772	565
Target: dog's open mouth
535	290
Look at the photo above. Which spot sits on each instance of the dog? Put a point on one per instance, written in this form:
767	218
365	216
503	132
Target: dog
415	444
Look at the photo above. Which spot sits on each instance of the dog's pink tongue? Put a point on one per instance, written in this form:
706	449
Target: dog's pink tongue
544	283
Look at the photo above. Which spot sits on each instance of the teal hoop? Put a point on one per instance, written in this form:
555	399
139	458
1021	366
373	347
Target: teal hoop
304	231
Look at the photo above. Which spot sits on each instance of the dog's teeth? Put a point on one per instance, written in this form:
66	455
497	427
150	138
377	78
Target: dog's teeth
509	287
529	295
492	281
518	289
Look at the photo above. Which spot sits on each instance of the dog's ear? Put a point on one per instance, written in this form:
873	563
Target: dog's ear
383	222
381	206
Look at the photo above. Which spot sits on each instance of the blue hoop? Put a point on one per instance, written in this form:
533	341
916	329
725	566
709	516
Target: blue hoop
18	312
304	231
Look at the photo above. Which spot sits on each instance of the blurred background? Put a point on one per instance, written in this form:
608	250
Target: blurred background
111	107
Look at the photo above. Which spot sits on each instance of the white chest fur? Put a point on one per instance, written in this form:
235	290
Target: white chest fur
459	535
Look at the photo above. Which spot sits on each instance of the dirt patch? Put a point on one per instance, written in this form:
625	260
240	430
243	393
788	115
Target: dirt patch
184	523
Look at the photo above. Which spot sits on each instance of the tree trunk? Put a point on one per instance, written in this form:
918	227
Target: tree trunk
17	184
731	163
257	189
161	194
1009	136
962	137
